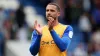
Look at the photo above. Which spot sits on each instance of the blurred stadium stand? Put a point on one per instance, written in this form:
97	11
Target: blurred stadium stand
17	19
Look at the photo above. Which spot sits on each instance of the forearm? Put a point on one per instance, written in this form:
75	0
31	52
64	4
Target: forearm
35	44
61	43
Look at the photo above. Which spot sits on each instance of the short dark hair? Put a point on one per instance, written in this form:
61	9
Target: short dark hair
55	4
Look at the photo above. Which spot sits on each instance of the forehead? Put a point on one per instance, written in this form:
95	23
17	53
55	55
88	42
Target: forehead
51	7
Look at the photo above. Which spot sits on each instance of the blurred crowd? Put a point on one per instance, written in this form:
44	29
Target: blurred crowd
82	15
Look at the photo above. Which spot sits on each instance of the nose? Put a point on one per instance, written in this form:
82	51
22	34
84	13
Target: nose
49	12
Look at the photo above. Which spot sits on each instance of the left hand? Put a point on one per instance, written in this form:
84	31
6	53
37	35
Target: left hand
50	23
38	28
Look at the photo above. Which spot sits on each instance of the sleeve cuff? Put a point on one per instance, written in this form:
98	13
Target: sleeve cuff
52	31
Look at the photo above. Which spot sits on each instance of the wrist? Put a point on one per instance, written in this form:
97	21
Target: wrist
39	33
50	29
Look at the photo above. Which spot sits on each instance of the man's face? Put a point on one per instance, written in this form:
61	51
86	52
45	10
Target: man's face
51	11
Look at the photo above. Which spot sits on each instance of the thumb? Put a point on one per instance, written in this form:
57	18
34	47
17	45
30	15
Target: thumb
39	25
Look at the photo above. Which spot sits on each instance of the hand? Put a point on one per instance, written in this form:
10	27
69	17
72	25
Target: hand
38	28
50	23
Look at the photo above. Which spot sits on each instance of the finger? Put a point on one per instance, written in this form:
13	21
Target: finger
39	25
35	22
52	23
49	23
51	19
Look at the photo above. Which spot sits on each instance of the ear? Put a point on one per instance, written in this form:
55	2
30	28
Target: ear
58	14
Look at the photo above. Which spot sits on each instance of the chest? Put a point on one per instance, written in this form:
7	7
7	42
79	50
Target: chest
47	39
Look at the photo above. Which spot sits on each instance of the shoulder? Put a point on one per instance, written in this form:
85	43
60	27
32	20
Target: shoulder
69	31
67	27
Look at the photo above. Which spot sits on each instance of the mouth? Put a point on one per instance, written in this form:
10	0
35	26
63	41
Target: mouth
49	16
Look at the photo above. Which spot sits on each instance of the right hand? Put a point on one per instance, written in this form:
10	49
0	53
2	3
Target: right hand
50	23
38	28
